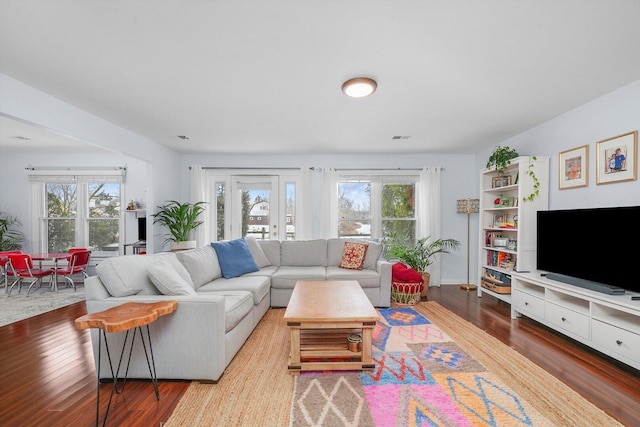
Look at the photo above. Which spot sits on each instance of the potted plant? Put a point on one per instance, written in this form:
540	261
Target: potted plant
501	158
420	254
180	219
11	237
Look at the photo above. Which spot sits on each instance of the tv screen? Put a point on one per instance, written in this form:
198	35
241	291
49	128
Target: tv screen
597	245
142	229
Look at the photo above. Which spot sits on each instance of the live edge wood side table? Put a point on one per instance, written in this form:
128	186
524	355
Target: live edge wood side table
126	317
322	316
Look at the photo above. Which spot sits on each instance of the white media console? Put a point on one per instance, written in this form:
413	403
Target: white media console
607	323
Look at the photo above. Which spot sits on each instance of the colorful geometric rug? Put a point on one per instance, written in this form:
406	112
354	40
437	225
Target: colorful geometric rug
421	378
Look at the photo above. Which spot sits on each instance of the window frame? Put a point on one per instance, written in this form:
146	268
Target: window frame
40	215
377	180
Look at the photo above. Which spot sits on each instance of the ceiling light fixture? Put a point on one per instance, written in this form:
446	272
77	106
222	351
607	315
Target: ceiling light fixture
359	87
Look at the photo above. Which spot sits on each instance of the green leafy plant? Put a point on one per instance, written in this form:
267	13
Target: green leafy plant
536	182
179	218
501	158
419	254
11	237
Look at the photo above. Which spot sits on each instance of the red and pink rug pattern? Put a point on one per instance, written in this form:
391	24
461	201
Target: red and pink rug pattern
421	378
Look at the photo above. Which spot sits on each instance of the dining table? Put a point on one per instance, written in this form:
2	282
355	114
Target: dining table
55	257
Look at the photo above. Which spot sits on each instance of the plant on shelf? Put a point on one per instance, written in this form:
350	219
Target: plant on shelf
11	236
501	158
419	254
180	219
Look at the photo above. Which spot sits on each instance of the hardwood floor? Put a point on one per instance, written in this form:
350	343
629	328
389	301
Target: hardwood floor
48	378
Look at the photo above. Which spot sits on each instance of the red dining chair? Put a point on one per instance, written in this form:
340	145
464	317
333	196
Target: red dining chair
22	268
78	264
4	267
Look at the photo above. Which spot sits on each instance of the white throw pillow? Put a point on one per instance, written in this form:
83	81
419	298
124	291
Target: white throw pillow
257	253
168	281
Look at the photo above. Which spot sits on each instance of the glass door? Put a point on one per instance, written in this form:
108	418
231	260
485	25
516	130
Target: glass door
255	207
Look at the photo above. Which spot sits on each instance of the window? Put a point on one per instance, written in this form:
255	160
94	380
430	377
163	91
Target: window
77	211
377	206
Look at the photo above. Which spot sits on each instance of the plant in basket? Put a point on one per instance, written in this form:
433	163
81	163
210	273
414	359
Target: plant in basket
419	254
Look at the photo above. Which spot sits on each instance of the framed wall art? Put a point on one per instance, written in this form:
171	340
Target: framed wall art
616	158
573	168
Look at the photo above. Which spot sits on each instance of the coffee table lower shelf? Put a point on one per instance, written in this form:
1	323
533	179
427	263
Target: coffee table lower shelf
322	347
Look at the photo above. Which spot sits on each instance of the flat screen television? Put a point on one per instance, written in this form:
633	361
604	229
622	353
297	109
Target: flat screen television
591	246
142	229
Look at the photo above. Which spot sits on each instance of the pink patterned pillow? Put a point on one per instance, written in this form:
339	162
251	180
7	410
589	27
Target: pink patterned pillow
353	255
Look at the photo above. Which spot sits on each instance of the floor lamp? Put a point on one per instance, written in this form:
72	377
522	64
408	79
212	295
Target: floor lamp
468	206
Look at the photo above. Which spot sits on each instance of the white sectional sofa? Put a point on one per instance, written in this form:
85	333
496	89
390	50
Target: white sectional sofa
215	314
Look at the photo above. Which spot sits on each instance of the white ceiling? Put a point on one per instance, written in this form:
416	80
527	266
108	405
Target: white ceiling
265	76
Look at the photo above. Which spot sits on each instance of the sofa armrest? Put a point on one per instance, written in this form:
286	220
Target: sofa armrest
198	324
383	267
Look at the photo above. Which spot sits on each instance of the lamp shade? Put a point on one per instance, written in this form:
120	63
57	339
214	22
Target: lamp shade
468	206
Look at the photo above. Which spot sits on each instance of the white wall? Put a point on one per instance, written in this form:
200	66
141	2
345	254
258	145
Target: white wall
147	159
613	114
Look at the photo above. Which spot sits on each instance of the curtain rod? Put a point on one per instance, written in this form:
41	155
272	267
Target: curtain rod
74	168
245	168
383	169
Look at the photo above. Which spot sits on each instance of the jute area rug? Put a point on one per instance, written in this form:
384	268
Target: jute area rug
256	388
19	306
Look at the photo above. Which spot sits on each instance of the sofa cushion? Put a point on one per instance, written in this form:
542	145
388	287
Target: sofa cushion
304	253
335	248
257	253
271	249
237	305
287	276
202	264
353	255
366	278
259	286
235	258
168	281
127	275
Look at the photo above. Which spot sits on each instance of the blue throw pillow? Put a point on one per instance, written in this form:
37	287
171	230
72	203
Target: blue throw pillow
235	258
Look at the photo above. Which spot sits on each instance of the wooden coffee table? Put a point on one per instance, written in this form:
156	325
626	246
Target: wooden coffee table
321	316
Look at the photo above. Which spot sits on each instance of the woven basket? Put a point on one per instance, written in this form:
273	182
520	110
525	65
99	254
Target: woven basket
406	293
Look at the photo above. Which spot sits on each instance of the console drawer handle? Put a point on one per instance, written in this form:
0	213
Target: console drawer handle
618	342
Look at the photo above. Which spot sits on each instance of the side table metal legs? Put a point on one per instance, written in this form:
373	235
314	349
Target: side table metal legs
114	374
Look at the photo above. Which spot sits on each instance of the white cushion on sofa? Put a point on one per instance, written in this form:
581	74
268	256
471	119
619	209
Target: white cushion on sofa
127	275
304	253
168	281
257	253
202	264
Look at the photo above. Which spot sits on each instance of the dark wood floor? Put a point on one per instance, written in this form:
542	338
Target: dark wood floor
48	379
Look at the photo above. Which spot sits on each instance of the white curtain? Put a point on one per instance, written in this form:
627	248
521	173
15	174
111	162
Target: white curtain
429	198
303	214
199	193
329	214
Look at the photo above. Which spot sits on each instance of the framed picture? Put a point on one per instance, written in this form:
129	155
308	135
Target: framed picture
498	219
616	158
500	181
507	201
573	168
